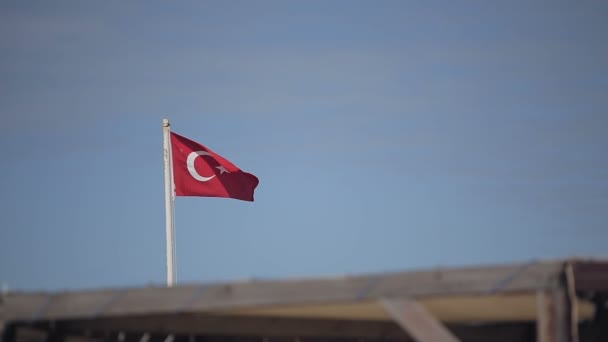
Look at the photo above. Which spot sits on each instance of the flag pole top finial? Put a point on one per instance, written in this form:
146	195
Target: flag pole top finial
166	123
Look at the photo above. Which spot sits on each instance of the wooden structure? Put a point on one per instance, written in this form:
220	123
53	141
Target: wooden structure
555	301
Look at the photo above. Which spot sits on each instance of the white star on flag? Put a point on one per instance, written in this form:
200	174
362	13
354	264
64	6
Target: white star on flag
222	169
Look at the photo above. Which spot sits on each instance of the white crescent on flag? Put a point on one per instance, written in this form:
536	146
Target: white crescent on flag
190	163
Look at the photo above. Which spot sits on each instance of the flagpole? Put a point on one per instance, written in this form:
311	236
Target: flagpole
169	202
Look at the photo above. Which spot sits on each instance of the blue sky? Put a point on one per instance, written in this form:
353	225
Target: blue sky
387	135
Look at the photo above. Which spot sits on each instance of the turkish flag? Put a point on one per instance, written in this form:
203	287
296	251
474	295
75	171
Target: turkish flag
198	171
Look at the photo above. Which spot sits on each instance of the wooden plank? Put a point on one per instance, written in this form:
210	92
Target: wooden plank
513	308
544	322
572	302
417	321
213	297
553	323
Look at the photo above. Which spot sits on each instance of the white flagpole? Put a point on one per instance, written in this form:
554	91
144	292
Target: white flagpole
169	202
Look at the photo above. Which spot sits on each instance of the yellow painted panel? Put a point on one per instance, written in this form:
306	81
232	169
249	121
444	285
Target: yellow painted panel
496	308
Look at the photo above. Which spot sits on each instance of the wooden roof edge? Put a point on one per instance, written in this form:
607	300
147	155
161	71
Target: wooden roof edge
550	263
471	280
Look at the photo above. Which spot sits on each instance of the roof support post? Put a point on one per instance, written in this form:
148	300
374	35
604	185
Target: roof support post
553	316
417	321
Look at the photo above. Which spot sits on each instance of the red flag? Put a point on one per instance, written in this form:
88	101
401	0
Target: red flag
198	171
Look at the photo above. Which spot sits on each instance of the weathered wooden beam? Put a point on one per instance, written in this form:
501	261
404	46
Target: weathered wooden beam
417	321
553	322
218	297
